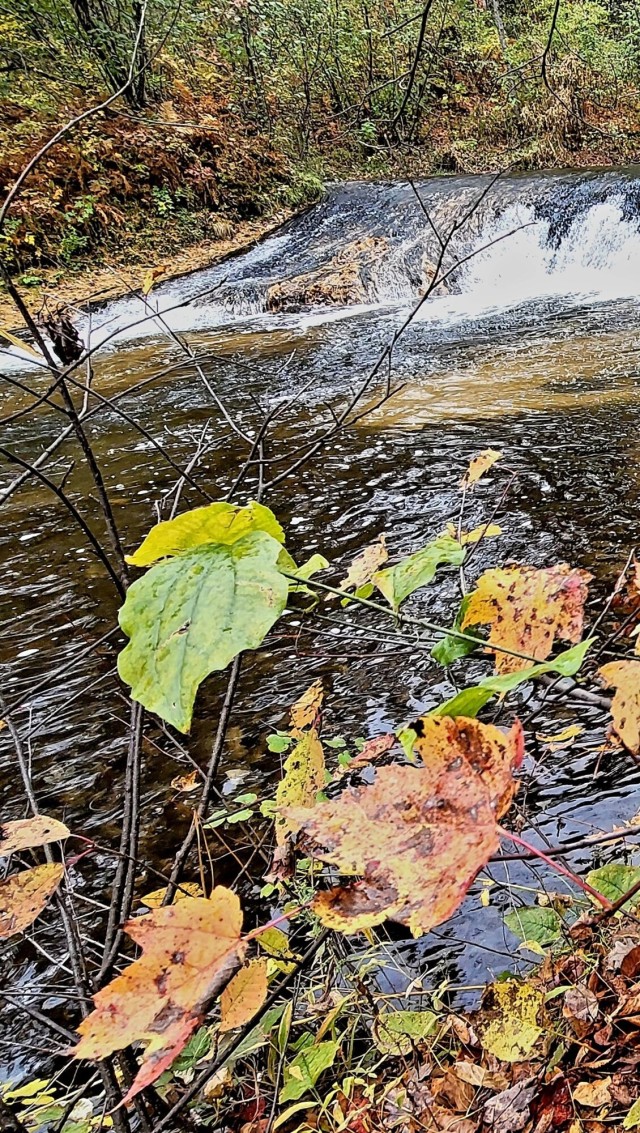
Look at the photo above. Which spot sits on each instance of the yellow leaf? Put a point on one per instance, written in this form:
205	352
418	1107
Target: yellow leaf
244	996
305	710
480	464
24	895
27	833
217	523
624	676
560	739
593	1095
9	337
365	565
151	276
485	531
509	1027
187	889
303	778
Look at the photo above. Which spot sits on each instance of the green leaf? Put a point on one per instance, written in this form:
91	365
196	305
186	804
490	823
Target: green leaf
278	743
192	615
218	523
364	591
399	581
198	1045
471	700
566	664
465	703
303	1072
407	737
614	880
304	573
450	649
632	1119
397	1032
534	923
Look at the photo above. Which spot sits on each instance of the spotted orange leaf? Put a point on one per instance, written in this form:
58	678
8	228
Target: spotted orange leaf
24	895
624	676
527	609
190	951
417	836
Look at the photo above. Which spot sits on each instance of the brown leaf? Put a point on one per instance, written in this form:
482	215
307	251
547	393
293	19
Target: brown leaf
27	833
186	783
189	952
458	1093
480	464
509	1111
372	750
305	710
365	565
24	895
244	996
581	1009
553	1108
593	1095
527	608
624	676
417	835
630	965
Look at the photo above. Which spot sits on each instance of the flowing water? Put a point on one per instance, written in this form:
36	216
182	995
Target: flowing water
534	350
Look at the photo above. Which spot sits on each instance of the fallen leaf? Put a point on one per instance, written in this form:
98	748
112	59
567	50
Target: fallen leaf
303	1071
303	778
154	899
593	1095
527	608
189	952
624	676
480	464
621	949
560	739
509	1026
454	1090
305	710
533	923
581	1003
470	1072
244	995
365	565
399	1032
632	1119
553	1108
418	835
509	1111
27	833
23	896
186	783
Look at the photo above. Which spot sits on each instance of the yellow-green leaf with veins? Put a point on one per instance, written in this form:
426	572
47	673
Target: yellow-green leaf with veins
303	778
190	616
399	581
218	523
511	1015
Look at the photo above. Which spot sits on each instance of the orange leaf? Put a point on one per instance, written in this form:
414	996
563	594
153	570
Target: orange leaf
189	952
417	835
27	833
244	996
480	464
624	676
24	895
527	608
305	710
151	276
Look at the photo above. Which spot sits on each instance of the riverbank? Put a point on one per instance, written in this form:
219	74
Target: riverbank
85	287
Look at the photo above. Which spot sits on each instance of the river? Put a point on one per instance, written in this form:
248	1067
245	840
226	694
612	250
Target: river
534	350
